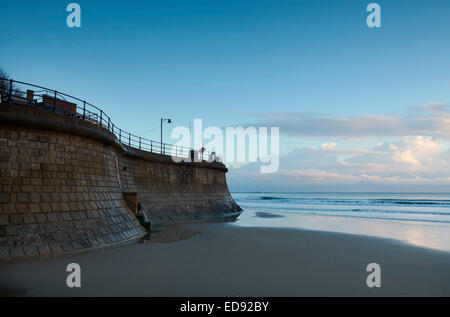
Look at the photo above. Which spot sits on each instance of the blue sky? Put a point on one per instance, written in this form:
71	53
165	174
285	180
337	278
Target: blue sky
238	62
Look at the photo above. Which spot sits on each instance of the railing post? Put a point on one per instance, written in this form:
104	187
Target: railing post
101	117
139	143
10	90
129	139
84	110
54	102
120	135
151	146
109	122
164	148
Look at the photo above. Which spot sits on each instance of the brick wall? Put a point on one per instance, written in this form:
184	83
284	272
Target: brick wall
59	193
175	191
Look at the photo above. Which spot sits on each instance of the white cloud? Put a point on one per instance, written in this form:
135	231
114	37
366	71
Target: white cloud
413	151
407	161
416	151
328	146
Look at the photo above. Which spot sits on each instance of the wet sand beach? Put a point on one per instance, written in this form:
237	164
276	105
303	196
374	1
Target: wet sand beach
221	259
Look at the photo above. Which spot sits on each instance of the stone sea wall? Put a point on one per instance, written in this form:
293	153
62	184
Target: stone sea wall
68	185
171	191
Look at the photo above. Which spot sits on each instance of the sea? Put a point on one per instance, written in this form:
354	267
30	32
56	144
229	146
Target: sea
420	219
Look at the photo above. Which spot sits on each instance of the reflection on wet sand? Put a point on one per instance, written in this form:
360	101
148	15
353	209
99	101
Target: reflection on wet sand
435	236
267	215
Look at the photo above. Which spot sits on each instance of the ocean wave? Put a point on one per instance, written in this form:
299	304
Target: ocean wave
361	202
270	198
351	210
428	208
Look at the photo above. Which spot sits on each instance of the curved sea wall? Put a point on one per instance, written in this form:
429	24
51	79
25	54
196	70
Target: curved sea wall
67	185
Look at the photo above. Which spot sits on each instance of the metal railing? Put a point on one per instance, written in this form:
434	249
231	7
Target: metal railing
59	102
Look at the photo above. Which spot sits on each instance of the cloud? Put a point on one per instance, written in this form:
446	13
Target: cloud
416	151
432	119
411	156
406	155
409	161
328	146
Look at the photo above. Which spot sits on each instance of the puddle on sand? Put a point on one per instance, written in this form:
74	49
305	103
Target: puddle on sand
168	233
172	232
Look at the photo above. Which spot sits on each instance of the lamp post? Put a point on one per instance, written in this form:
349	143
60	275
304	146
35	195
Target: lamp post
162	121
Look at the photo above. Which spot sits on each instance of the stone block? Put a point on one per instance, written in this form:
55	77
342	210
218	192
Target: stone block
35	197
65	207
4	253
12	231
4	220
55	248
34	207
45	207
17	252
59	236
5	198
85	244
8	209
52	217
67	246
50	228
75	216
23	197
16	219
22	208
30	251
90	214
56	207
66	216
76	245
41	218
94	242
28	219
73	235
3	232
44	250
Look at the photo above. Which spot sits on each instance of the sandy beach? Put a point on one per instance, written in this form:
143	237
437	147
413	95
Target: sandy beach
220	259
